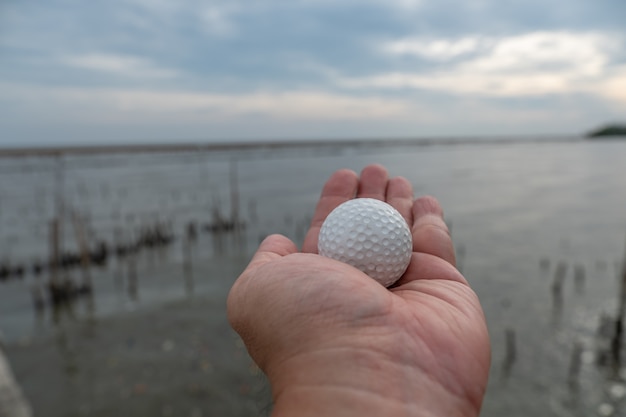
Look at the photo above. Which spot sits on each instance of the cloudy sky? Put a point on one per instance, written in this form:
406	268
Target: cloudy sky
134	71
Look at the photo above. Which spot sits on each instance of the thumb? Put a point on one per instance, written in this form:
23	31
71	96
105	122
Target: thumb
272	247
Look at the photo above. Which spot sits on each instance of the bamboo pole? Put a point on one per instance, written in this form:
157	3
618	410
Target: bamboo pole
54	251
617	340
85	257
60	201
235	215
188	265
511	352
234	194
575	365
557	291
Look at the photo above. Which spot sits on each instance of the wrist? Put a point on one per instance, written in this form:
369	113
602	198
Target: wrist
350	382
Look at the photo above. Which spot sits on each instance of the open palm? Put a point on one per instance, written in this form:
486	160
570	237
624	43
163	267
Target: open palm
312	321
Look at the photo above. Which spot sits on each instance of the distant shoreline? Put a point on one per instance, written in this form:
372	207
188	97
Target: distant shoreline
52	151
615	131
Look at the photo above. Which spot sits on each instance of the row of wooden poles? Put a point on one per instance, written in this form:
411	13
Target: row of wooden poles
63	292
60	291
97	253
610	332
152	236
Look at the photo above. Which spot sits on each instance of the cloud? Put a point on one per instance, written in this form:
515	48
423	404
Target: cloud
583	53
218	20
120	65
404	64
530	64
403	4
614	85
439	49
145	105
397	4
36	114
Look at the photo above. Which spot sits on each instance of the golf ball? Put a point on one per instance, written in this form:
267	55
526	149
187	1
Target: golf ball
370	235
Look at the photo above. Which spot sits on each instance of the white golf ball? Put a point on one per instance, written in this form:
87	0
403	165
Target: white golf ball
370	235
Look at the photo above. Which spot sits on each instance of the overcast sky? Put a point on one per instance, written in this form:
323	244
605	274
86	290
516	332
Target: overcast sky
134	71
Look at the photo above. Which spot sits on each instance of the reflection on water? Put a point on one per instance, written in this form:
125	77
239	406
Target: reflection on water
115	268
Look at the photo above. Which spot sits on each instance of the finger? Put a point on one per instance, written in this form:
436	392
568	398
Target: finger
430	232
425	266
373	182
400	196
340	187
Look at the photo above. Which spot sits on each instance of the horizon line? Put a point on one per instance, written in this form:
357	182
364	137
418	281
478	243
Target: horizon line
138	147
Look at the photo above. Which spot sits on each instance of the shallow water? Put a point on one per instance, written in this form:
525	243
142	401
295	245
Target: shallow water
516	210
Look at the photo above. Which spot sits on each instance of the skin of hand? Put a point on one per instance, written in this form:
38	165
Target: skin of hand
333	341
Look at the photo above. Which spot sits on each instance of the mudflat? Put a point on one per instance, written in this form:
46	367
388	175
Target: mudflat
176	359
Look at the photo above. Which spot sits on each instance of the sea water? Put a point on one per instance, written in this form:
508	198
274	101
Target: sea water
518	210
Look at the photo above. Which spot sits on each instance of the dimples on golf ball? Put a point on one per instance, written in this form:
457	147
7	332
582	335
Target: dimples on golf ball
369	235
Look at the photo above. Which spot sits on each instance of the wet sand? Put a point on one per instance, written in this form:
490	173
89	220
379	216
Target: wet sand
178	359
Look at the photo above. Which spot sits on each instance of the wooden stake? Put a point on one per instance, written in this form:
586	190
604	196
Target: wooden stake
234	194
617	340
511	352
575	365
54	251
85	256
188	266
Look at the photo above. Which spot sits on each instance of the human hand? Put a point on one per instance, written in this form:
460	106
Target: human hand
333	341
